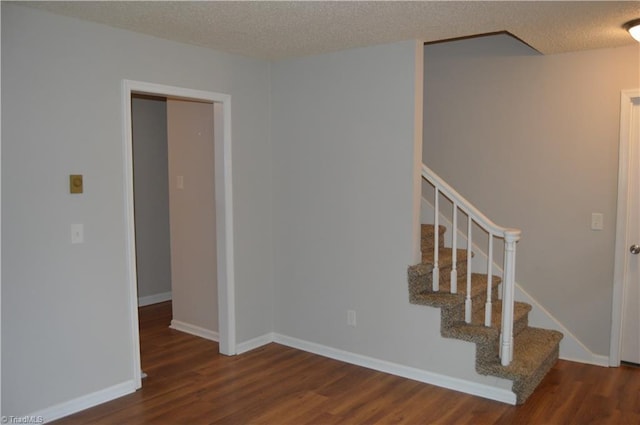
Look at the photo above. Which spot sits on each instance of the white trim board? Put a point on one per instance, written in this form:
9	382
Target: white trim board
256	342
70	407
154	299
194	330
443	381
621	244
571	348
224	210
436	379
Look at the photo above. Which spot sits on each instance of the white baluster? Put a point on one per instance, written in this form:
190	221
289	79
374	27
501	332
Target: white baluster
488	305
435	277
467	301
506	336
511	236
454	255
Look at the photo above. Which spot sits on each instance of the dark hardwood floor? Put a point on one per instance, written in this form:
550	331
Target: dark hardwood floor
190	383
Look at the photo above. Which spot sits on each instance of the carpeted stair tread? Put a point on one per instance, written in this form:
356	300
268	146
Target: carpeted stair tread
444	298
519	309
535	353
478	333
535	350
445	257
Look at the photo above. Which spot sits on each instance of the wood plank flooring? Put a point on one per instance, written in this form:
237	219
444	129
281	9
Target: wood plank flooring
190	383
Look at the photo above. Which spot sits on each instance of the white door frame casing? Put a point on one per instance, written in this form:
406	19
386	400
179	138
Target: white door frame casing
621	246
223	210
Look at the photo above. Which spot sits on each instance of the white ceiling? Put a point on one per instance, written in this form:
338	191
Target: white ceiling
280	29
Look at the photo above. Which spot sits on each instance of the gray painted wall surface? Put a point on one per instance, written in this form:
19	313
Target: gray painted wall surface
533	141
343	154
151	191
65	315
193	218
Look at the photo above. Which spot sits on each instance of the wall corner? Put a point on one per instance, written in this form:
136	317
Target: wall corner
417	145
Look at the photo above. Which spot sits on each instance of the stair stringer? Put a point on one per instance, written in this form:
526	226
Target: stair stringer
571	348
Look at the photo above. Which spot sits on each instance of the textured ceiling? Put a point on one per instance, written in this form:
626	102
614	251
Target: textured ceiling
279	29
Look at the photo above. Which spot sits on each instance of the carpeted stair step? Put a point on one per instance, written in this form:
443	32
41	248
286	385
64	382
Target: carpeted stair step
420	288
453	305
487	339
535	352
477	332
520	313
445	263
445	257
427	235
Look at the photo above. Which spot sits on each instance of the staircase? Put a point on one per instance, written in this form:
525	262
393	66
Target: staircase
535	350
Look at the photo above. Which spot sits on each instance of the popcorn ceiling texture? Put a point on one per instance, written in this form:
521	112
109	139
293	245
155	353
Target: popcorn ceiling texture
535	350
276	30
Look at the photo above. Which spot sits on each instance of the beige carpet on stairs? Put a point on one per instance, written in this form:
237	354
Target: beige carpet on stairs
535	350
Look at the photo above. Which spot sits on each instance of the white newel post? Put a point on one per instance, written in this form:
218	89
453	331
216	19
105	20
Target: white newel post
467	301
506	336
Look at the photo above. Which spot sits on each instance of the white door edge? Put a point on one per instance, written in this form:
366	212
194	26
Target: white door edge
621	244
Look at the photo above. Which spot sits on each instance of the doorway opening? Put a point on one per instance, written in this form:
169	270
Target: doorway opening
218	106
151	198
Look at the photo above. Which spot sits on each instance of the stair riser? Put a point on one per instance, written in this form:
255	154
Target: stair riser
444	275
445	258
525	384
457	313
488	353
427	238
520	325
525	388
427	245
419	280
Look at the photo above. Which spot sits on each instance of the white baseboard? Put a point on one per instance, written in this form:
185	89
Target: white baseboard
195	330
67	408
571	348
254	343
456	384
154	299
596	360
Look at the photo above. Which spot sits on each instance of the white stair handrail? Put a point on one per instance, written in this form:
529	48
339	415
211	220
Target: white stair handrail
465	205
510	236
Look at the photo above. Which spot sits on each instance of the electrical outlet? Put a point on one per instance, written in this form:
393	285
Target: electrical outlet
351	318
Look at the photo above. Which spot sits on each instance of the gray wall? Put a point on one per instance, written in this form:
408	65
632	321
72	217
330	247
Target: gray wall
65	315
151	192
193	218
533	141
343	153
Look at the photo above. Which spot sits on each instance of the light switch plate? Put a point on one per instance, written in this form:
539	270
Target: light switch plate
77	233
597	221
